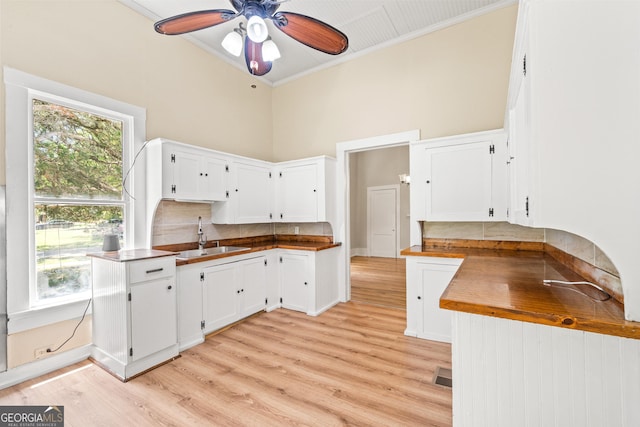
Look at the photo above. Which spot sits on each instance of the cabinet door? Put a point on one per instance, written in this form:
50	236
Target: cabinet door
153	317
186	175
253	194
434	323
298	194
213	184
189	306
520	157
294	281
458	181
253	285
219	297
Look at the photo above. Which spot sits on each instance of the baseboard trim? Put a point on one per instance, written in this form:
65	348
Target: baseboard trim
36	368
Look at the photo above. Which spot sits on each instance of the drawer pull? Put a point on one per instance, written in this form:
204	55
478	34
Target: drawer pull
157	270
169	287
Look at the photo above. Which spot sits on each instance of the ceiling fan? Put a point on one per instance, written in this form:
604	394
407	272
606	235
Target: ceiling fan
259	50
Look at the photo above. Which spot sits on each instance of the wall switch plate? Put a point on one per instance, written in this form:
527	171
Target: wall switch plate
296	230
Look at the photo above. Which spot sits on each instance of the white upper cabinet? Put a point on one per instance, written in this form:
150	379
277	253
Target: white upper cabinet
522	164
305	190
460	178
186	173
250	194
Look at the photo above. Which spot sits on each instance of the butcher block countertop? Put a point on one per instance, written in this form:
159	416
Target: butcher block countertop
256	244
131	254
508	283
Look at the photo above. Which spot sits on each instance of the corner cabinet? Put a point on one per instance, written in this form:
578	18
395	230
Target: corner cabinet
427	278
305	190
460	178
134	314
308	280
249	195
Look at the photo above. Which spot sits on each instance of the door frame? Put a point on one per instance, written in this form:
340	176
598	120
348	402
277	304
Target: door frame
396	187
342	228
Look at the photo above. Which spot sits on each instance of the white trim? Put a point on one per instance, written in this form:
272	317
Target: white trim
342	228
20	88
395	187
40	367
359	252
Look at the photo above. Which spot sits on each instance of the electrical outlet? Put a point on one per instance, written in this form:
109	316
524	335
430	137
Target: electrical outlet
296	230
41	352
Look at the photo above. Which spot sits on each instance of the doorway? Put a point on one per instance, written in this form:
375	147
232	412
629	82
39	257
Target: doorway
351	219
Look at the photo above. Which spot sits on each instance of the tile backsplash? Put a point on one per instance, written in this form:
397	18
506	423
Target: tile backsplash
177	222
570	243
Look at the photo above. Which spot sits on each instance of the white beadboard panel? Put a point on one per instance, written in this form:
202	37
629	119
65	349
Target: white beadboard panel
511	373
109	311
630	360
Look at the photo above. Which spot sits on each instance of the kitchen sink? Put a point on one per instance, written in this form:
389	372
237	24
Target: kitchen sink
195	253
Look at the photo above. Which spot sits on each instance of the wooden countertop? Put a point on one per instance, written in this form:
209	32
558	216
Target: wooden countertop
509	284
125	255
257	244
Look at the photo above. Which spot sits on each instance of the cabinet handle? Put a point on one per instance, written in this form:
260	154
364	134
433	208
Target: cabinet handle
169	287
419	297
238	291
305	283
428	182
157	270
200	173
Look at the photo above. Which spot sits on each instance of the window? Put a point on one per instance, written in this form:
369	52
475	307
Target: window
77	195
66	153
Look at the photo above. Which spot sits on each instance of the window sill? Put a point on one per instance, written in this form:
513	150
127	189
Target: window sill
38	317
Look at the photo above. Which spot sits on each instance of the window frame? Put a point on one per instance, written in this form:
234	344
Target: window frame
20	90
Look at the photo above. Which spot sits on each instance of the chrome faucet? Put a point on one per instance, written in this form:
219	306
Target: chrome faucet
202	239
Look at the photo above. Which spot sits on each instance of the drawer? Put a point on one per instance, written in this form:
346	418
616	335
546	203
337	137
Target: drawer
150	269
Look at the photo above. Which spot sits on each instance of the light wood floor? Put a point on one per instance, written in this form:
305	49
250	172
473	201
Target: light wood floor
379	281
352	365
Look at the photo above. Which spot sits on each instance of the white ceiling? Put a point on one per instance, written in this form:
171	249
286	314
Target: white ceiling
369	25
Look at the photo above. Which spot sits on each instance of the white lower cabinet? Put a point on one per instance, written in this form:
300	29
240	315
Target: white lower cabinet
308	280
134	314
214	294
427	278
233	291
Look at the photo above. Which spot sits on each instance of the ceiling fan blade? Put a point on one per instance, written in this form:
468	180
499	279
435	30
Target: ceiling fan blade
253	57
193	21
311	32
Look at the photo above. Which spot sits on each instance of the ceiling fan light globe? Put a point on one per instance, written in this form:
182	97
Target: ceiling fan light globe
232	43
257	29
270	51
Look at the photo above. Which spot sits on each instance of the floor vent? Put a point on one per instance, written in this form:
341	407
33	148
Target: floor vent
442	377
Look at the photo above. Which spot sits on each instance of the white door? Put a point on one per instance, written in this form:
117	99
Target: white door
382	220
